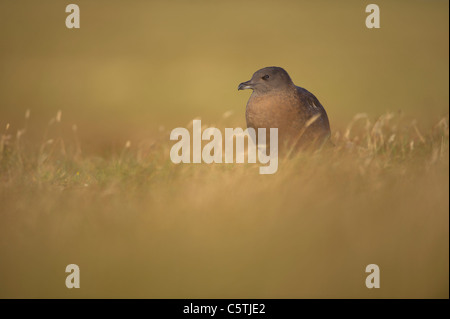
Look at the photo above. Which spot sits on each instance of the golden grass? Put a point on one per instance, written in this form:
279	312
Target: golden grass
140	226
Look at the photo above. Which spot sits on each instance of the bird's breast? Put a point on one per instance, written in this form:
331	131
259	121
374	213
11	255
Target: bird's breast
274	110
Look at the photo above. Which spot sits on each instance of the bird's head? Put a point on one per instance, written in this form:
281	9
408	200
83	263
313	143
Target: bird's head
268	79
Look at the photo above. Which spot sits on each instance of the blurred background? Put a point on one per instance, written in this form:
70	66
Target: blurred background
139	226
134	66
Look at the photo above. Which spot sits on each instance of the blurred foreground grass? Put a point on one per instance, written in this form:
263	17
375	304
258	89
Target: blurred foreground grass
140	226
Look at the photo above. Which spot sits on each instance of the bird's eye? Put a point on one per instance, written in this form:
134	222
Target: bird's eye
265	77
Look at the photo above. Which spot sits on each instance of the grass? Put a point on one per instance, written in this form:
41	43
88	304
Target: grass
95	186
140	226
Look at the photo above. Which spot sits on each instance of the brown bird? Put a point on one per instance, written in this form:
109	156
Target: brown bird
276	102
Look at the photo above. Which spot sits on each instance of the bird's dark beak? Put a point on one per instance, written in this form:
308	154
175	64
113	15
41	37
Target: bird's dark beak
245	85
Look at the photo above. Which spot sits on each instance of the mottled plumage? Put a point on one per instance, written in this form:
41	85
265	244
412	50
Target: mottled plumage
277	102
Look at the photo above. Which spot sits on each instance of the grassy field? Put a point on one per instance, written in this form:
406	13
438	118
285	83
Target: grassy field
86	178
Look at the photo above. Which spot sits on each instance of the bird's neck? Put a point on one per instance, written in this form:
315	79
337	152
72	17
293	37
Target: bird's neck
285	90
